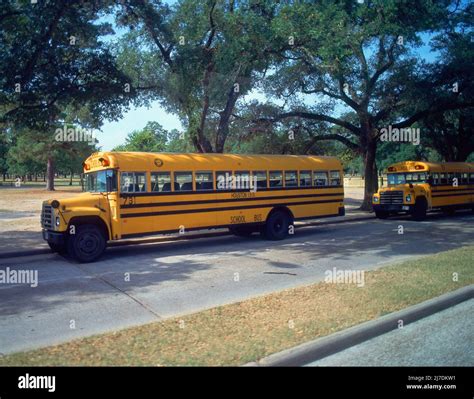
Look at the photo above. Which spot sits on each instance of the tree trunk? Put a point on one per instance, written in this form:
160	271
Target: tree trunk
370	175
50	174
70	179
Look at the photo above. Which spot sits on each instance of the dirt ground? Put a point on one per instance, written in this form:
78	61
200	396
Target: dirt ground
20	210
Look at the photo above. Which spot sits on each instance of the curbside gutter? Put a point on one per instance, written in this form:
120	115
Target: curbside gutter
113	244
326	346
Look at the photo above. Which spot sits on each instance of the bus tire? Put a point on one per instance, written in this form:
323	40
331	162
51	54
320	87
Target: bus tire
382	214
276	226
58	248
88	244
420	208
242	231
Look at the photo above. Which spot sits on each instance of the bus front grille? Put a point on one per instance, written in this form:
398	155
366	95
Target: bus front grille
391	197
47	217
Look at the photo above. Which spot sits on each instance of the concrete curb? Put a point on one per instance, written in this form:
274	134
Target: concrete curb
325	346
33	252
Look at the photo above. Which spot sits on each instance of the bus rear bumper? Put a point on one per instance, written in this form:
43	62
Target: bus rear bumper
54	237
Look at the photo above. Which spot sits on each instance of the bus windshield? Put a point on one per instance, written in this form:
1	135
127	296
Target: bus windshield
101	181
407	178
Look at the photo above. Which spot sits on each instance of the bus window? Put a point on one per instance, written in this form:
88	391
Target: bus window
305	178
471	178
160	181
335	178
242	180
276	179
133	182
223	180
451	177
261	178
204	181
443	179
183	181
464	178
320	179
291	179
435	179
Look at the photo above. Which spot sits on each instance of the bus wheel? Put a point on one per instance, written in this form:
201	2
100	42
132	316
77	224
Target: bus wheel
419	210
276	227
60	249
87	244
382	214
242	231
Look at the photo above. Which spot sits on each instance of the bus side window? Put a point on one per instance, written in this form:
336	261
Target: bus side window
242	180
133	182
464	178
183	180
160	181
223	180
435	179
204	181
443	179
291	178
261	178
471	179
305	178
451	177
335	178
320	179
276	179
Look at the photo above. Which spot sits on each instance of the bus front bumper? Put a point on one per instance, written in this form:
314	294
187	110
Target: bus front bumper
54	237
392	208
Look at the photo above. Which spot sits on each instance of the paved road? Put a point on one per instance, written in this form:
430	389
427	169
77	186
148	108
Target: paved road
175	278
443	339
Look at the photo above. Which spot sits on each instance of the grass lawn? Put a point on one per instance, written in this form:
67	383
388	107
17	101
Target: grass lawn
249	330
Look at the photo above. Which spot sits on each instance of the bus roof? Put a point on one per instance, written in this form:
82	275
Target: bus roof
144	161
420	166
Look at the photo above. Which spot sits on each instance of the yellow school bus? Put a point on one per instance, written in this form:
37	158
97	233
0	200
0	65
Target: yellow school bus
131	194
417	187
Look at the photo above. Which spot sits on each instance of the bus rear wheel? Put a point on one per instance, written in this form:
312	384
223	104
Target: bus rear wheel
276	226
88	244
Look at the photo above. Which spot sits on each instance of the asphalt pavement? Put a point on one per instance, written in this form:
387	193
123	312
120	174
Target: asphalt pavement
133	285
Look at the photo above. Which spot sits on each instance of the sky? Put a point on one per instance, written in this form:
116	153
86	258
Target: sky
113	133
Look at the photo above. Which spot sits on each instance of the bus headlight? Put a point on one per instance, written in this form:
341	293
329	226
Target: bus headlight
376	199
58	221
408	198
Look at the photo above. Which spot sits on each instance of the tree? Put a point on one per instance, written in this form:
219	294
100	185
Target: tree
354	60
53	61
152	138
198	58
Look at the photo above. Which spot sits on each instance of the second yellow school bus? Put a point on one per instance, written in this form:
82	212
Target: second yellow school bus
131	194
417	187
